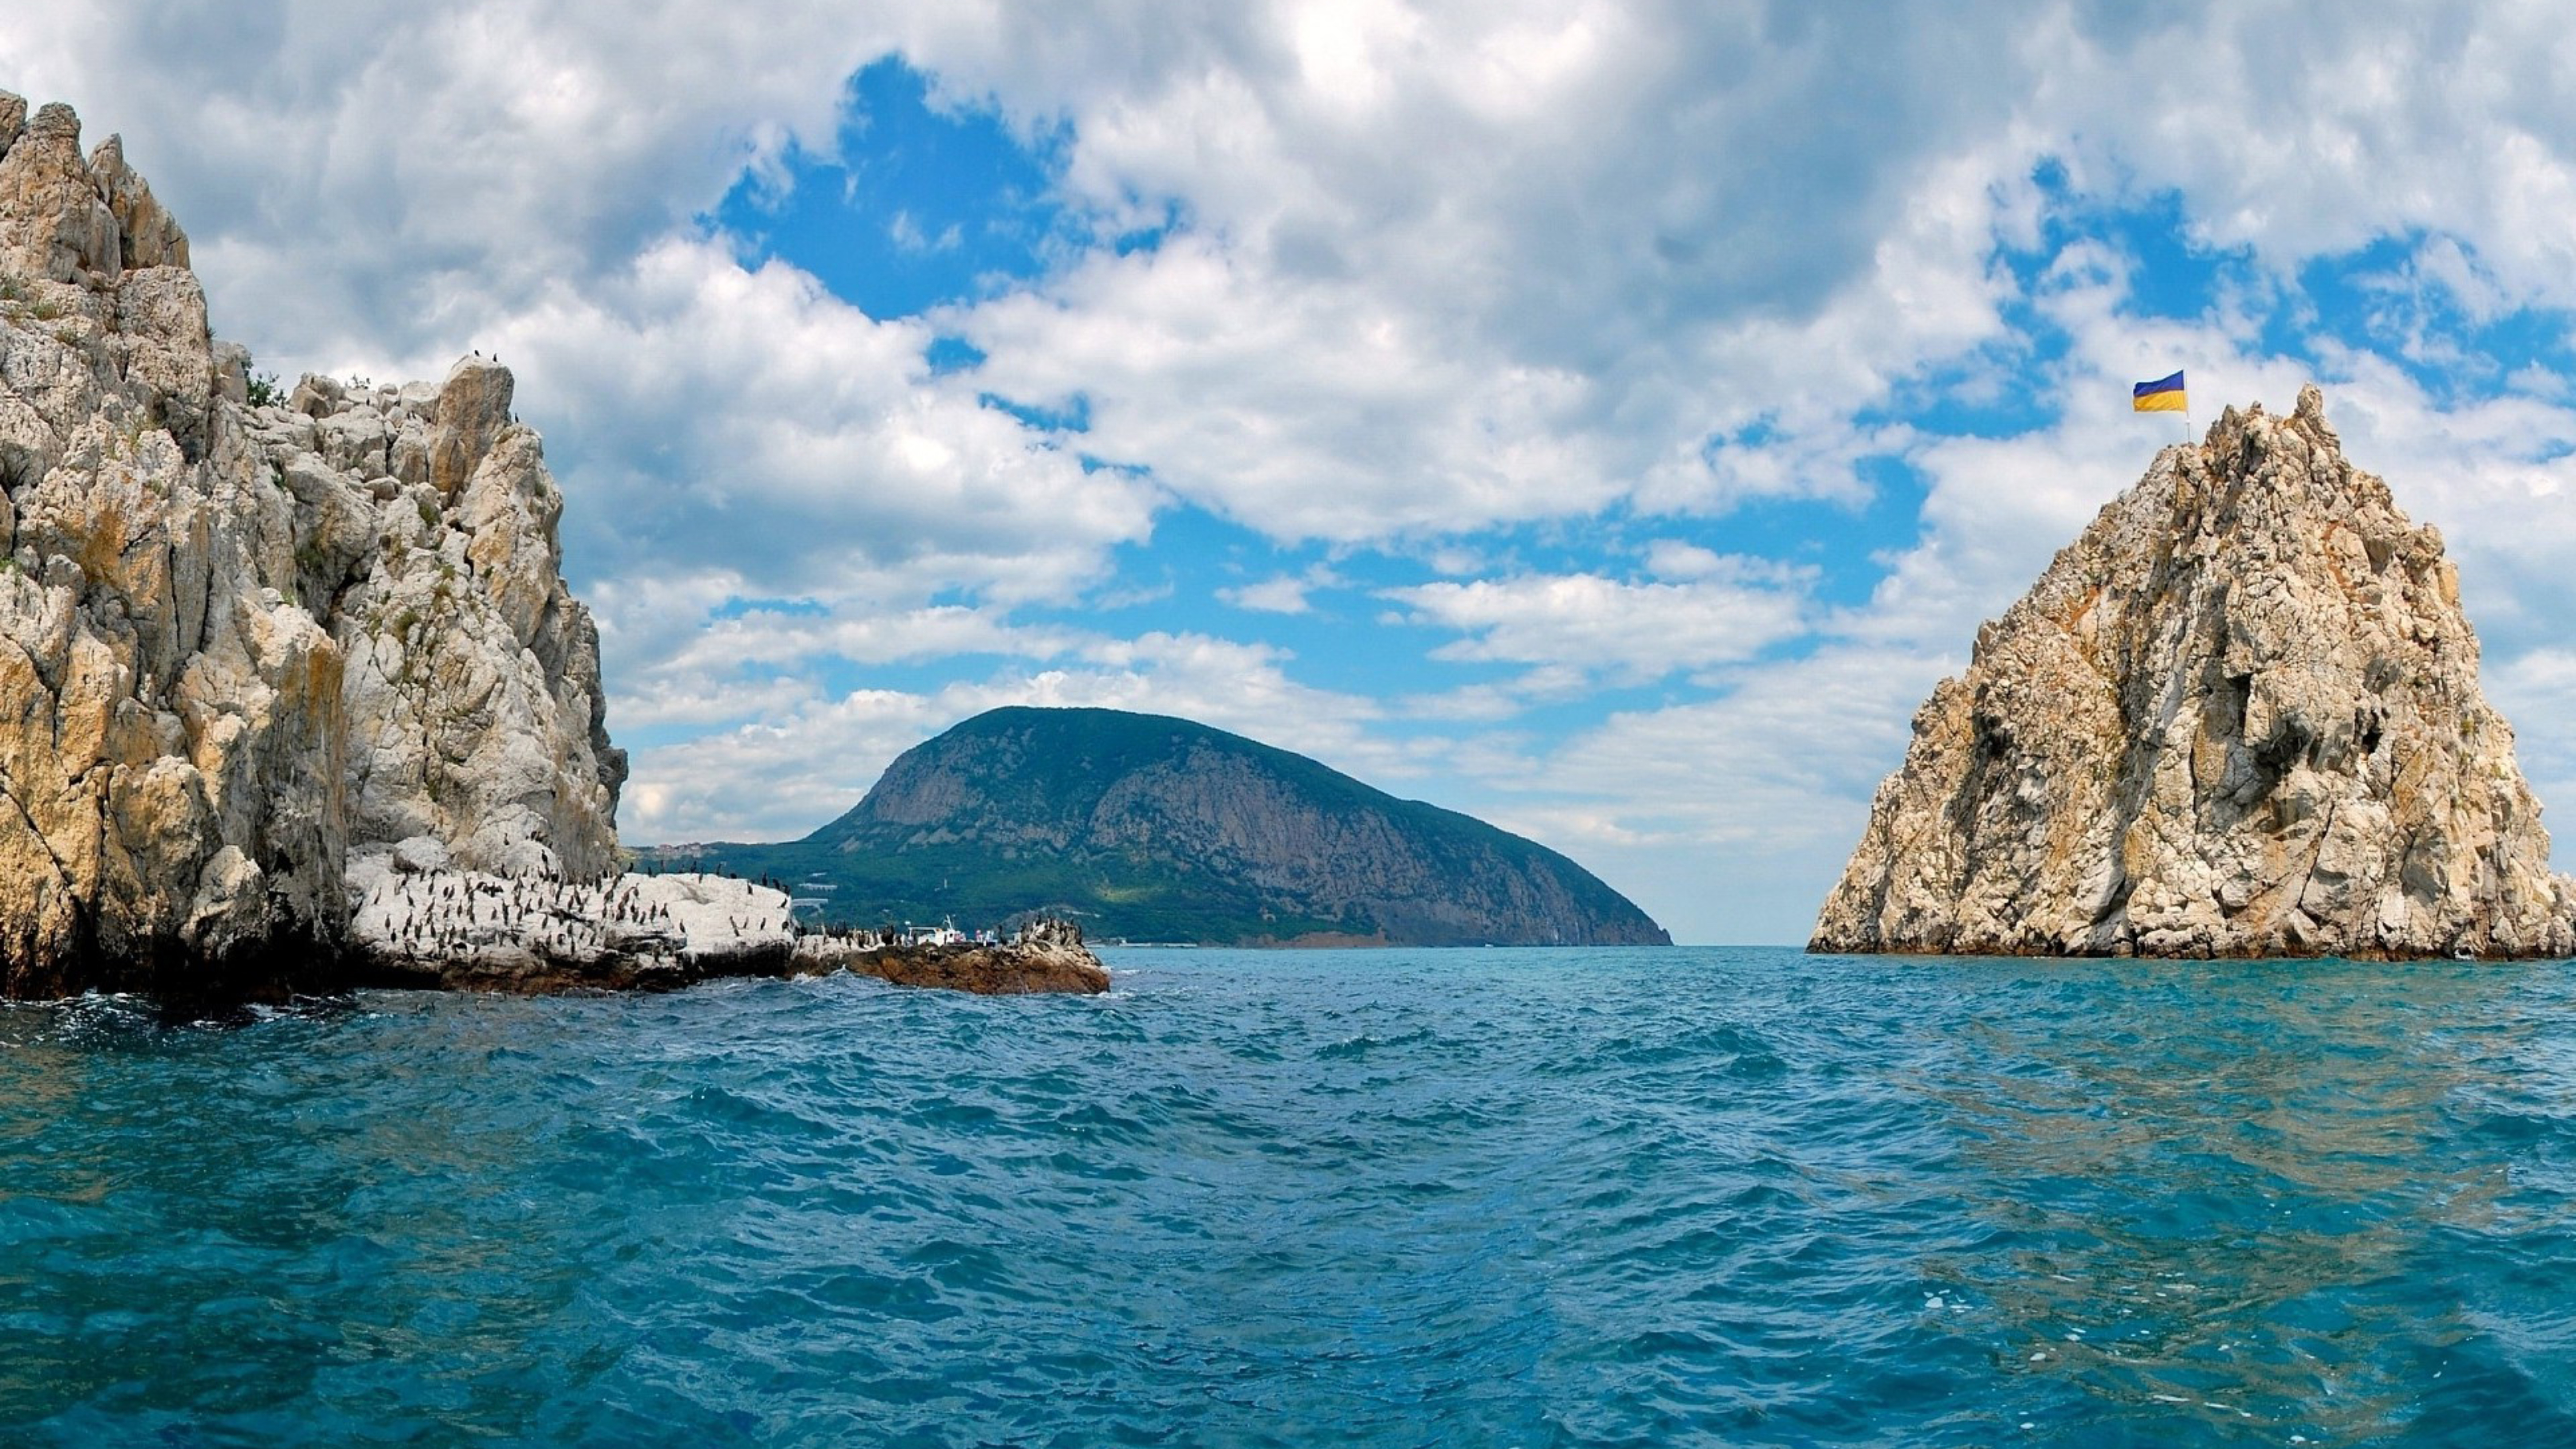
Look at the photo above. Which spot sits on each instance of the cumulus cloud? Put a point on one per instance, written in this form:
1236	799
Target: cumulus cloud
2382	120
1445	271
367	181
1282	595
1727	817
749	420
1617	629
2538	688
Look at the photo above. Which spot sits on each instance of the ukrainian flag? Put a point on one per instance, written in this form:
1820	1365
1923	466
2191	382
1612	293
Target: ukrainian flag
2164	395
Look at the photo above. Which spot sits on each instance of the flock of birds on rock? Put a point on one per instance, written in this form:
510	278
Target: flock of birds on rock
443	913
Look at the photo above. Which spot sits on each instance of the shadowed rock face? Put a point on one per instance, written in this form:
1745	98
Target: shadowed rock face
241	646
2239	716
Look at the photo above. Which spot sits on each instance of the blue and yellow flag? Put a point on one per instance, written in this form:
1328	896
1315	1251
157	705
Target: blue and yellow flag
2164	395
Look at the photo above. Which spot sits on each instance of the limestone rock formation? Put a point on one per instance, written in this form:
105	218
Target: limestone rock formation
242	646
2238	716
472	694
292	694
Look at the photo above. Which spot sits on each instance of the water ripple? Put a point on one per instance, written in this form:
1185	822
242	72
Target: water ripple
1510	1198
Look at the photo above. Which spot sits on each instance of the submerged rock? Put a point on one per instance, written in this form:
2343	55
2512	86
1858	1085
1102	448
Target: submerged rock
2239	716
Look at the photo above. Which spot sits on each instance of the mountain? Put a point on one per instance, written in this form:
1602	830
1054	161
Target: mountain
1152	828
2238	716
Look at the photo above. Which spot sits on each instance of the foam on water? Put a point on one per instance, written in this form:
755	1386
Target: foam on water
1472	1197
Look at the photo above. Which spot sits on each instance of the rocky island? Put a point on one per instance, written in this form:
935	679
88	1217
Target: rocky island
2239	716
292	693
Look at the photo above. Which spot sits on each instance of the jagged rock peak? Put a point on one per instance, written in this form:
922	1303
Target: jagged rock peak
243	647
76	218
2238	716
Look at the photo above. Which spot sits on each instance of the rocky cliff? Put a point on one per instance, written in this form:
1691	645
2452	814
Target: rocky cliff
2239	716
1153	828
243	645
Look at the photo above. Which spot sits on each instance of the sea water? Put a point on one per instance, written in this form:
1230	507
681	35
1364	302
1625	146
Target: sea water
1636	1197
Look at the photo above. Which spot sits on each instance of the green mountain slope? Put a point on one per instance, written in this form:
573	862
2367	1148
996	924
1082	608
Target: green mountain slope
1150	828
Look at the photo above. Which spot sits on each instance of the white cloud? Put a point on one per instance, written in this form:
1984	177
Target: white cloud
1670	558
2381	120
1624	631
1726	819
781	778
750	420
1506	288
907	235
2536	691
1282	595
378	180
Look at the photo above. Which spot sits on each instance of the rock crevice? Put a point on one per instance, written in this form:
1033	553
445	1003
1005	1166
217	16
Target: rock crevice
2238	716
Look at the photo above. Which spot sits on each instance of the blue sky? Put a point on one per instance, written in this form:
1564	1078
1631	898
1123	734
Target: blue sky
1606	418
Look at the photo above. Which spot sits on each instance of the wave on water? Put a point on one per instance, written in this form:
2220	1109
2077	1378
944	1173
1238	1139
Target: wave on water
1633	1197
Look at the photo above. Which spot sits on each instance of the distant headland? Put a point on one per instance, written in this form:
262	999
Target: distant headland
1151	828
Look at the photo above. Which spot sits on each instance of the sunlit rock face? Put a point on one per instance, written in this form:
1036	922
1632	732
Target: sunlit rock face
242	646
2239	716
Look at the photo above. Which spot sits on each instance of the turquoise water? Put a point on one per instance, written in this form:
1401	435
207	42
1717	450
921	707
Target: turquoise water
1432	1198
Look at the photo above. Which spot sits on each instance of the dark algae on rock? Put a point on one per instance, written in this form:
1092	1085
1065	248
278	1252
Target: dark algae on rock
2238	716
1151	828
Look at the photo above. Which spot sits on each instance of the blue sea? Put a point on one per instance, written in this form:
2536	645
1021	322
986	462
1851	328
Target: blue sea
1640	1197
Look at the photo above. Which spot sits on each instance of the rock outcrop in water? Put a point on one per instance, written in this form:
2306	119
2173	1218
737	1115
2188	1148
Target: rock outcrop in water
2239	716
241	645
419	922
1048	956
292	693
